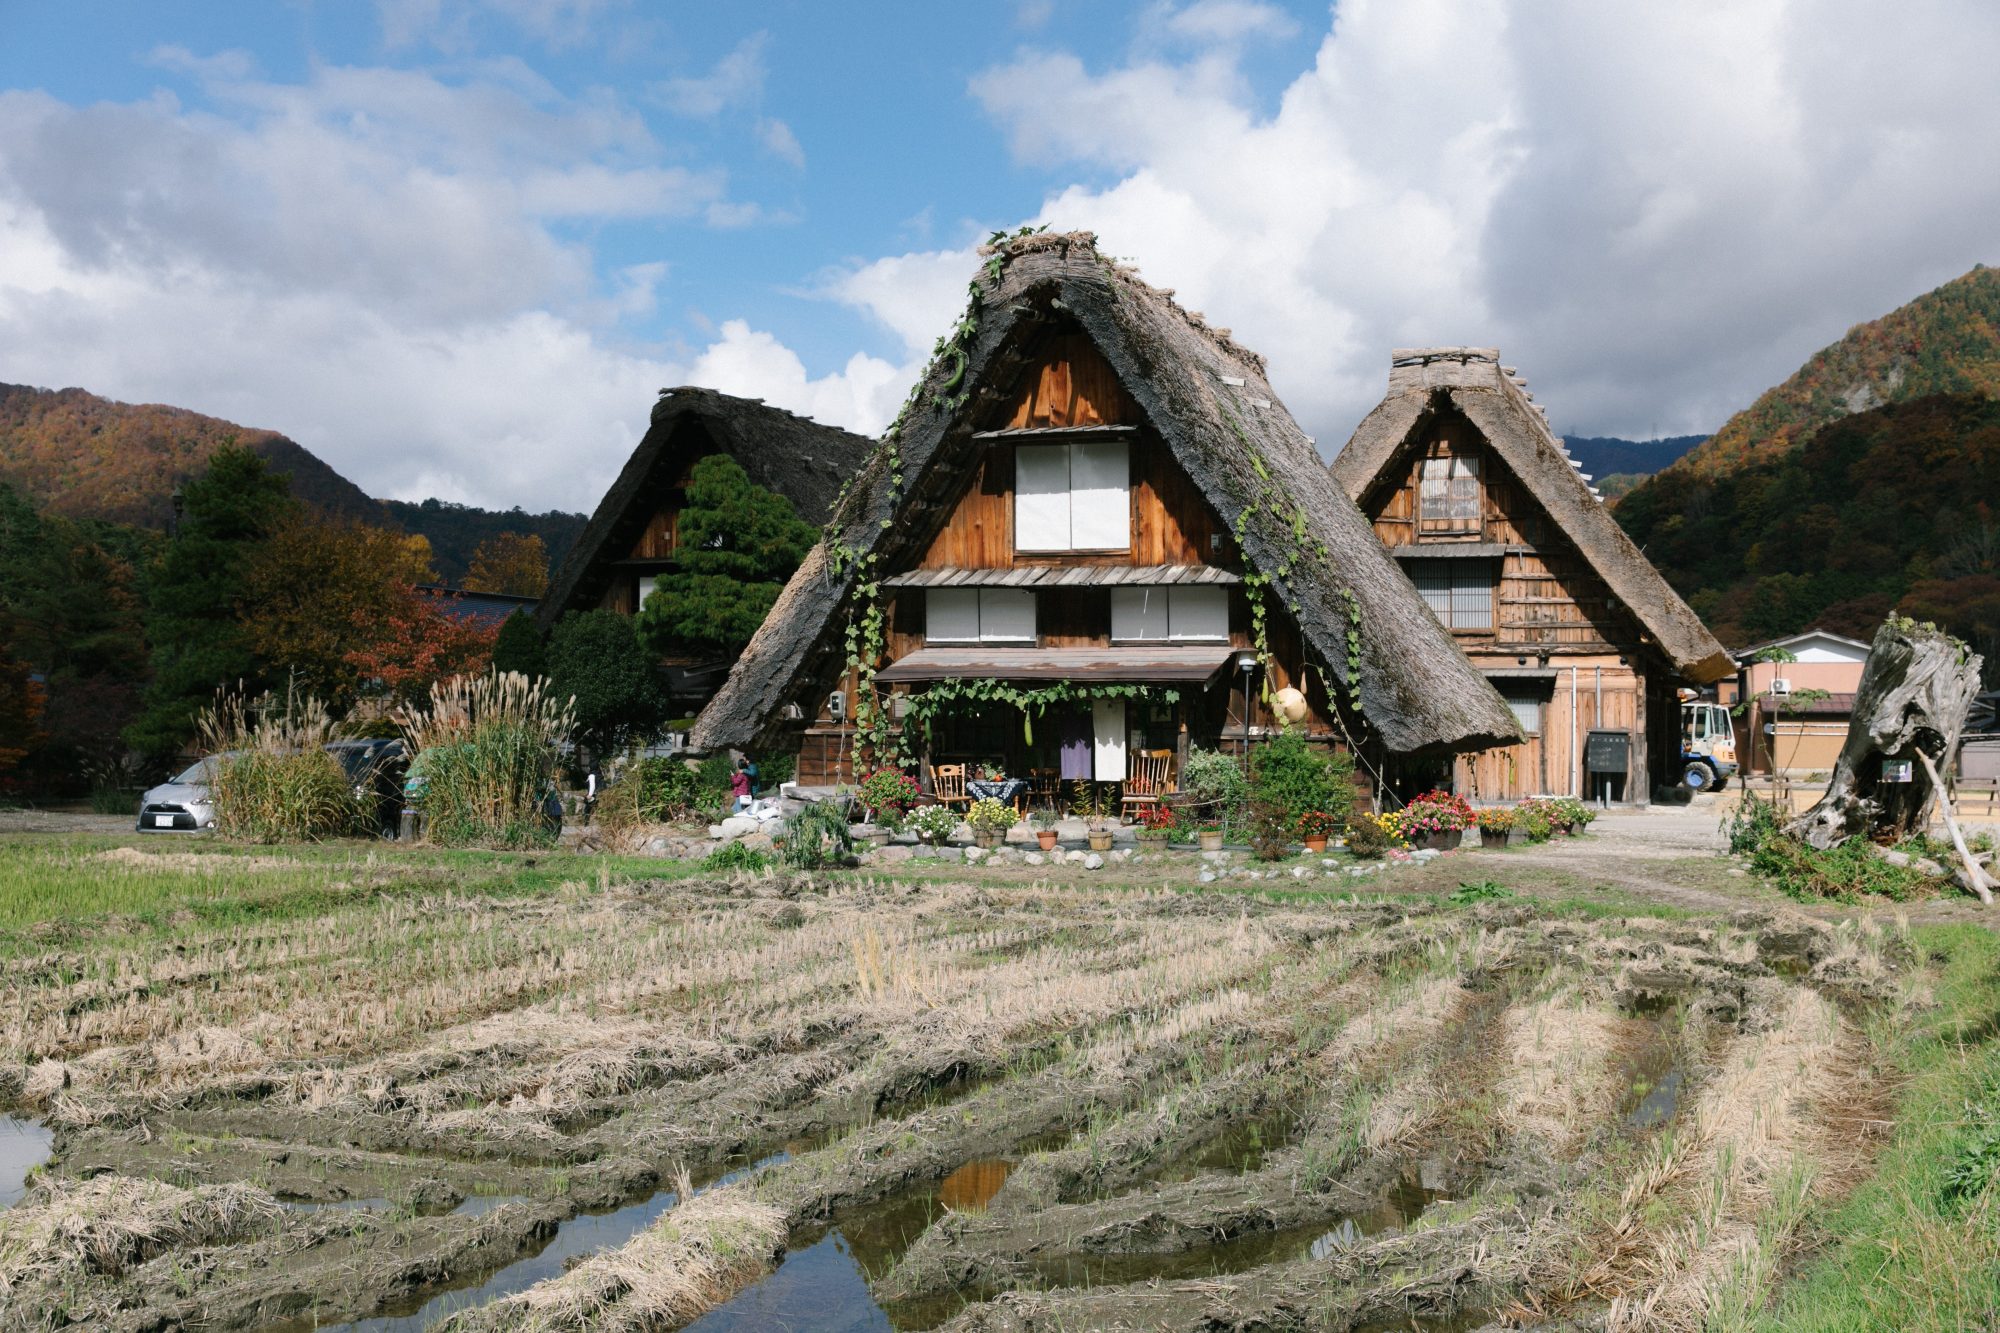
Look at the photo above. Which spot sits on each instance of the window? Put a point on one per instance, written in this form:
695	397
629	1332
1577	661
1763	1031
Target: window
1525	698
647	583
1448	496
1170	615
1459	591
1073	497
979	615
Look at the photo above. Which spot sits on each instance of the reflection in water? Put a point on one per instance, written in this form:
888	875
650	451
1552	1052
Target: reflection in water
24	1145
970	1188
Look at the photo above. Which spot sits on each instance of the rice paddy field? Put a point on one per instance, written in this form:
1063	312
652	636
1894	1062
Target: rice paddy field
319	1088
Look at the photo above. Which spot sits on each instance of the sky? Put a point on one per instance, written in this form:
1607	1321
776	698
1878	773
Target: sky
456	247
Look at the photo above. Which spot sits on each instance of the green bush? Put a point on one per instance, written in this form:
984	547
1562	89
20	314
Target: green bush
735	856
1216	786
273	780
667	790
1365	838
1296	777
817	837
1844	872
774	770
1270	830
485	752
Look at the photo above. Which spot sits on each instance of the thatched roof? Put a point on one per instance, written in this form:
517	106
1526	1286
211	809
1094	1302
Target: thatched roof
1209	402
797	457
1426	381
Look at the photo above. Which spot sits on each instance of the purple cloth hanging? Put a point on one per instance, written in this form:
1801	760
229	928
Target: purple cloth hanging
1078	739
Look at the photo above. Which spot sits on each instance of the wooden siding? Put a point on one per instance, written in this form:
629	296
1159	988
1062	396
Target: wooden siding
1546	598
1606	696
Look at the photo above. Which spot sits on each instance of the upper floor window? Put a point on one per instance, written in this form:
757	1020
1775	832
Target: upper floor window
1525	699
1073	497
1448	496
1170	615
979	615
1459	591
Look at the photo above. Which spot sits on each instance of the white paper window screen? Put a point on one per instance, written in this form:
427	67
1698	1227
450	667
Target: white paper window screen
647	583
1139	615
1460	592
1006	615
1100	496
951	615
1526	702
1073	497
1198	615
1041	497
1449	495
979	615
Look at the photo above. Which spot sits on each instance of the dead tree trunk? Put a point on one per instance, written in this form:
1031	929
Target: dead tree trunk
1914	693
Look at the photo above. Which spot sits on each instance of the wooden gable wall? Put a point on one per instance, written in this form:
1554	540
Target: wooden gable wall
1548	599
1073	385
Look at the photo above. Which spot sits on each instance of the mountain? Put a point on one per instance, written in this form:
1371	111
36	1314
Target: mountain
1944	342
1607	455
1895	507
84	456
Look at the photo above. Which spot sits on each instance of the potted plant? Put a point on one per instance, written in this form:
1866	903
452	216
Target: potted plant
989	820
1156	824
1315	827
1210	837
1437	820
1532	817
1496	826
885	795
934	824
1045	828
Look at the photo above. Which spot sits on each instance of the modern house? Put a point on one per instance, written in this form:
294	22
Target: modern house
1798	697
1095	532
1513	550
633	536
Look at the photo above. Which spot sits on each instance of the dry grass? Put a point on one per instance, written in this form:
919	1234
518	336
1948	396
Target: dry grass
1557	1054
104	1226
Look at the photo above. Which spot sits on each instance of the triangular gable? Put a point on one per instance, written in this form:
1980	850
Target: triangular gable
1208	401
798	458
1470	379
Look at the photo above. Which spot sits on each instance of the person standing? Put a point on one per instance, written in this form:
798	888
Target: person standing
739	785
589	794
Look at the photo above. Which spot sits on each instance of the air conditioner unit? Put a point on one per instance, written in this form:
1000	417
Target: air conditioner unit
1781	685
836	705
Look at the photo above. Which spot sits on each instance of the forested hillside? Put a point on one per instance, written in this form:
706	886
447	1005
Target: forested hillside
80	456
1616	466
1895	507
1944	342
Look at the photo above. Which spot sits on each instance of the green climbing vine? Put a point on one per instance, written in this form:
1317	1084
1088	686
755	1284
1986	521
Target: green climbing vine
1033	701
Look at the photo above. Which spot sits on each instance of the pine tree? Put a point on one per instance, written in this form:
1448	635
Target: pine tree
738	543
596	657
519	647
199	642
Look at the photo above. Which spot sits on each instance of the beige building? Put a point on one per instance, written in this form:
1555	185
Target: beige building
1798	709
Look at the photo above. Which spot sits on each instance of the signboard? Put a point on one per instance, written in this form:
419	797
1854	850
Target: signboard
1898	770
1607	752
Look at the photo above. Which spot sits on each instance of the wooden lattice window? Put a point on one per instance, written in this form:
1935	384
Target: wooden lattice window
1460	592
1448	496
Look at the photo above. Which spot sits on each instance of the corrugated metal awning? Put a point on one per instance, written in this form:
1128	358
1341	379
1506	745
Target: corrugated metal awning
1454	551
1063	576
1519	673
1134	663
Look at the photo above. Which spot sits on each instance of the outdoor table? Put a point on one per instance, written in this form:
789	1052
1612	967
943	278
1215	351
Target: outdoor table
1004	790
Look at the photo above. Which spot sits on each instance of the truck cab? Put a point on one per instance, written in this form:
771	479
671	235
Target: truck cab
1708	745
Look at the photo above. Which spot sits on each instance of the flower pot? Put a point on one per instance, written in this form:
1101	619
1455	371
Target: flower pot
1438	840
878	838
1316	843
1494	837
985	838
1047	838
1211	842
1100	842
1567	830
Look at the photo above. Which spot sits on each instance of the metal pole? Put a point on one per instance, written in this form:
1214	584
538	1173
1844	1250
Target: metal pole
1575	782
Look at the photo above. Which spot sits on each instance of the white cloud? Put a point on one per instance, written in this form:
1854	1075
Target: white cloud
736	81
365	262
450	25
780	142
1655	212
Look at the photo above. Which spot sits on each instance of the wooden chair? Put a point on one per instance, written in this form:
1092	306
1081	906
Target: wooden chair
1044	788
1150	781
948	784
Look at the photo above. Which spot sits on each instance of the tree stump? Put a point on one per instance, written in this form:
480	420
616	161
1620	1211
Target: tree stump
1913	697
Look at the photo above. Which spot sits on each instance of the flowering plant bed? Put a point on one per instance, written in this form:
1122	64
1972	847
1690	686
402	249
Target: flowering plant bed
887	793
1319	824
991	817
1437	812
934	823
1496	819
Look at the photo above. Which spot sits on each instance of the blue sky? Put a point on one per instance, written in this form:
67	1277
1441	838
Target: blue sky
454	246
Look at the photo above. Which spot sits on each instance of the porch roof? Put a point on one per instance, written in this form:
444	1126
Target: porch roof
1061	576
1179	662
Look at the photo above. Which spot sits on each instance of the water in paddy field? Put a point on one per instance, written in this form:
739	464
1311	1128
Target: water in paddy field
24	1145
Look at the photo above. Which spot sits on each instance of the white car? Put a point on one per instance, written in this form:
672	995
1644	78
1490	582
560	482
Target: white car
183	804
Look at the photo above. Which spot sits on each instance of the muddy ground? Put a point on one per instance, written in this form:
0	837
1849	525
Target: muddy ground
1002	1104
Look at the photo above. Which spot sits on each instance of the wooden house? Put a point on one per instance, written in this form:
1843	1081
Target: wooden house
1096	532
1516	555
632	537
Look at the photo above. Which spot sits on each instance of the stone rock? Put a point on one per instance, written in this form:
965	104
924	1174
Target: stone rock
1093	862
1072	830
760	842
1121	855
1300	872
893	854
1208	877
736	826
976	854
715	830
1020	835
1076	858
1033	859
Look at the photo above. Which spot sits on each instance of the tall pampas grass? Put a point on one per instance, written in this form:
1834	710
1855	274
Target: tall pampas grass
273	780
486	749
